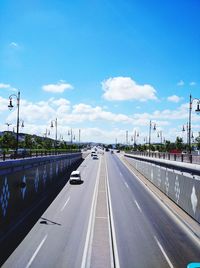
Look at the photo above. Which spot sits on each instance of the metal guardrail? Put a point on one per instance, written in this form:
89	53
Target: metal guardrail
29	154
187	158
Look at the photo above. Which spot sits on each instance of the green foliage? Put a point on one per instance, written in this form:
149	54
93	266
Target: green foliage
47	144
179	143
28	143
198	142
8	141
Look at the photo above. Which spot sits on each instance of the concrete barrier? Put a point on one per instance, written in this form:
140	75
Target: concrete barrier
26	181
179	181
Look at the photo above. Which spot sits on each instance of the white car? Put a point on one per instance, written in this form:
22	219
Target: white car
75	177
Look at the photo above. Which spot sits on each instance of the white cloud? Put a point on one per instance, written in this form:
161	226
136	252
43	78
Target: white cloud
14	45
174	98
8	87
61	102
192	83
181	83
105	125
60	87
3	104
86	112
124	88
2	85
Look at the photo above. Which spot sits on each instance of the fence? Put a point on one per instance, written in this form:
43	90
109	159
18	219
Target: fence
32	153
179	182
179	157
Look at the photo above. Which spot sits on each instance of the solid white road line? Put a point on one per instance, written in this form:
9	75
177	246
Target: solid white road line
166	208
116	255
109	220
88	242
36	252
164	253
65	204
138	206
126	185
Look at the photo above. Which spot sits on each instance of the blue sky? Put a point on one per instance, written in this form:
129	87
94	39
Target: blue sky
104	67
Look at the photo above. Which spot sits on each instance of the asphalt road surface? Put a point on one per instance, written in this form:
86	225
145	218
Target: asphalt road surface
144	234
58	238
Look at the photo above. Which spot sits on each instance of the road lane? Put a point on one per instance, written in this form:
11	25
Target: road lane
139	219
145	235
63	225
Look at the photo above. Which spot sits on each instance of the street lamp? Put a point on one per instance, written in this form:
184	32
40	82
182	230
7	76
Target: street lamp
190	118
134	138
10	106
22	125
56	125
79	138
127	137
151	124
160	135
145	140
185	128
70	133
47	133
8	124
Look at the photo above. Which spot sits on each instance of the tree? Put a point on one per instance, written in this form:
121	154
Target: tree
8	141
198	141
47	143
179	143
169	146
28	143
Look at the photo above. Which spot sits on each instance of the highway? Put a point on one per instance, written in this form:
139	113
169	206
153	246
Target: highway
144	234
58	238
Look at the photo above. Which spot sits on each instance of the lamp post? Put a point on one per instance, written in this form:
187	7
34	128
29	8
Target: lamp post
150	127
185	128
160	136
72	137
126	137
190	118
10	106
8	124
56	126
79	138
134	138
47	132
22	125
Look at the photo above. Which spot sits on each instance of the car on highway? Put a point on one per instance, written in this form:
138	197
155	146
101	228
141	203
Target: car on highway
93	153
75	177
95	156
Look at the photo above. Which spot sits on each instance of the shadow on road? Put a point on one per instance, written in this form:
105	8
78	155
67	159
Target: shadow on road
16	231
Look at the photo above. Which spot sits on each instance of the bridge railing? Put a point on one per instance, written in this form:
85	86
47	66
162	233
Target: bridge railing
7	155
179	157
